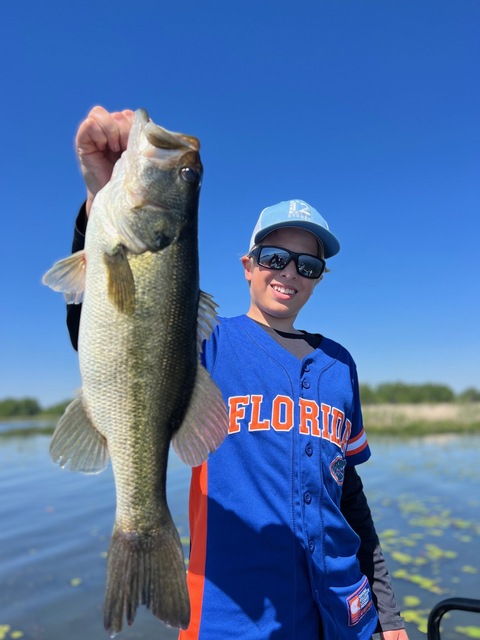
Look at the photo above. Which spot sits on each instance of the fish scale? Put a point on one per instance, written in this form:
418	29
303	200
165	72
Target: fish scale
143	387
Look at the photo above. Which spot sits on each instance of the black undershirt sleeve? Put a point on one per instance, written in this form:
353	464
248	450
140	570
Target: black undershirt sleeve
356	511
74	310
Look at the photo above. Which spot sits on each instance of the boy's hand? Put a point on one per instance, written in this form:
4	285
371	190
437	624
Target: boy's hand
397	634
100	141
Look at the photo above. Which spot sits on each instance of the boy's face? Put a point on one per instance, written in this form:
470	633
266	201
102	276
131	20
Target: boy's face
276	297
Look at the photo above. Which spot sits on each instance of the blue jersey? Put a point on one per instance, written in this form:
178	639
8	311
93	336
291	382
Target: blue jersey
271	553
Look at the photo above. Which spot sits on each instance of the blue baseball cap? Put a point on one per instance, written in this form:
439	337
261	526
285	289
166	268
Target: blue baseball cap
295	213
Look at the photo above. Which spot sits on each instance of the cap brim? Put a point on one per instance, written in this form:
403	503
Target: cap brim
330	243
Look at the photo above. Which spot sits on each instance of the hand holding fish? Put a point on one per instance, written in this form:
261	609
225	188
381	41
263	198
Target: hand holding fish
100	141
398	634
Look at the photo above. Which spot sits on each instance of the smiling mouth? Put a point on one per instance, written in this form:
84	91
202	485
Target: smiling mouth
282	289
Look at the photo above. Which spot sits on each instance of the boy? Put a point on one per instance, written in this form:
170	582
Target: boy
282	540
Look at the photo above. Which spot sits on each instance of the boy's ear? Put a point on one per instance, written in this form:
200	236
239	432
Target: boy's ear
248	266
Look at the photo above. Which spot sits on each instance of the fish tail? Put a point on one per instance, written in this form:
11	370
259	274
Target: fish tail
146	568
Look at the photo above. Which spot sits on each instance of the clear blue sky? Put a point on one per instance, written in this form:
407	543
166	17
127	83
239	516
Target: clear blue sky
367	109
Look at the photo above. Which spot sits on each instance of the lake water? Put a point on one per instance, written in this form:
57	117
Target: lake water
55	528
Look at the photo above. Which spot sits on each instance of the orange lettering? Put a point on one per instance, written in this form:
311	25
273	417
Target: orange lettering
325	408
282	404
338	418
309	418
255	423
346	434
236	411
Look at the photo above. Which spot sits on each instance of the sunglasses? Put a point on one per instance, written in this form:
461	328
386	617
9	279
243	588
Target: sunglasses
277	259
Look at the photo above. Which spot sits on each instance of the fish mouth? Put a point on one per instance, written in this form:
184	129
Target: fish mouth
161	138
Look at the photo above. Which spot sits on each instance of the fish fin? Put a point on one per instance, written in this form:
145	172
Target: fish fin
207	317
77	443
146	569
121	286
68	277
205	424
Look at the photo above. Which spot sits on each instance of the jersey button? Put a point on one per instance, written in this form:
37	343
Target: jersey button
307	497
305	384
306	367
311	546
309	450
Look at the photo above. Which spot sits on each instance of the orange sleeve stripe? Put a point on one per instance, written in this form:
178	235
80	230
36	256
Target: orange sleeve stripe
198	504
357	444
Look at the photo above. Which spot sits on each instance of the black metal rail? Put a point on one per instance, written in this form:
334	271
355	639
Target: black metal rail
439	610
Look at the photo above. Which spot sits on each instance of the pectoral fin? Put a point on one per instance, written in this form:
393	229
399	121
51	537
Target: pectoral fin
77	443
205	425
68	277
121	286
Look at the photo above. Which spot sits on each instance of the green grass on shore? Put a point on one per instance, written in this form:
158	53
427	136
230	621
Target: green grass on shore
422	419
387	419
422	429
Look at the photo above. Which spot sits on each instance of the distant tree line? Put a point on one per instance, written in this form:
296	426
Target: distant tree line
28	408
386	393
401	393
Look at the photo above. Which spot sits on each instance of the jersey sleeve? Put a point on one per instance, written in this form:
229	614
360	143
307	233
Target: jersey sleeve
358	450
209	349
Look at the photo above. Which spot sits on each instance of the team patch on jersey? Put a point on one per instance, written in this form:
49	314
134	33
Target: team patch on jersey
337	469
359	603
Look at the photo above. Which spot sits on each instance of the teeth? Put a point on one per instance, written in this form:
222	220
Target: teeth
284	290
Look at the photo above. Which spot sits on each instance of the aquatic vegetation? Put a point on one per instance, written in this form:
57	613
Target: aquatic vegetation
402	558
469	569
405	558
389	533
417	536
426	552
464	538
469	632
413	507
75	582
419	618
431	521
435	553
6	632
408	542
461	524
429	584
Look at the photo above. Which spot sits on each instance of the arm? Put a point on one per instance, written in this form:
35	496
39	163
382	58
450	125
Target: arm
100	141
356	511
74	311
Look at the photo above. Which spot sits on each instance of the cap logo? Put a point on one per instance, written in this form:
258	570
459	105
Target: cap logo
299	210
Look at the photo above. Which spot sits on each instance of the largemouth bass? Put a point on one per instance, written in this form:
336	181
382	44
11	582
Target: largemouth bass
142	324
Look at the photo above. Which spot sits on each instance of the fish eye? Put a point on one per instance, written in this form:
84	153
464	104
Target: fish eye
190	175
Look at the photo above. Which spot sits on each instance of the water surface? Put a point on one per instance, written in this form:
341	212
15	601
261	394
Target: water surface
55	530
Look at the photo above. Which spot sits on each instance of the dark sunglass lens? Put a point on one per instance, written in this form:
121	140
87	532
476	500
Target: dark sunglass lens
309	266
273	258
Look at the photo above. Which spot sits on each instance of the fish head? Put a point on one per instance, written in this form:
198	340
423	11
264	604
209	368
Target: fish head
161	175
